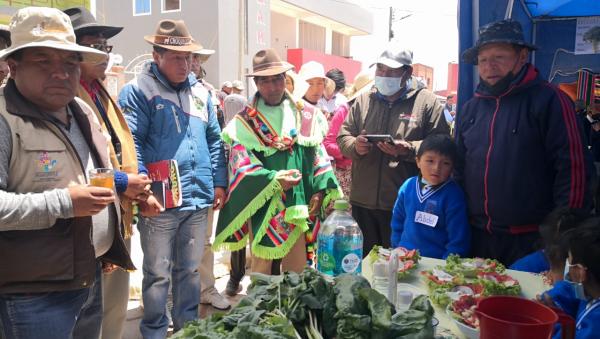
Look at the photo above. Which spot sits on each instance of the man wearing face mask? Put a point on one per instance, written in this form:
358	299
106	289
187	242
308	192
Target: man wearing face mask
521	153
401	108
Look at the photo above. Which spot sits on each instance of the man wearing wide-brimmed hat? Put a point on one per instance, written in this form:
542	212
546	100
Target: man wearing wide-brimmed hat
55	229
521	148
280	174
171	116
130	185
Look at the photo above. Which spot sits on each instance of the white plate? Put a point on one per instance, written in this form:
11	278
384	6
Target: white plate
468	331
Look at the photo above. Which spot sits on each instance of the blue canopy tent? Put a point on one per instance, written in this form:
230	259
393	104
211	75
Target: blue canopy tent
549	24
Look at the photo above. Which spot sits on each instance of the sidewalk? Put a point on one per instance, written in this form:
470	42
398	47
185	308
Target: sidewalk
135	312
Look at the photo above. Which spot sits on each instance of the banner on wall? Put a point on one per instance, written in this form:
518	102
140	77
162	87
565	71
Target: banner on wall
587	35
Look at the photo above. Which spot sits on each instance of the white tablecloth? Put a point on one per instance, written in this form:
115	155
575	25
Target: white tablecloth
531	285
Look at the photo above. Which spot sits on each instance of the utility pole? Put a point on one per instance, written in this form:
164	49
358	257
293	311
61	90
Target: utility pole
391	32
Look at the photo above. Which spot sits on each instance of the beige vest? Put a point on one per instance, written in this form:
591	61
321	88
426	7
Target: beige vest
43	158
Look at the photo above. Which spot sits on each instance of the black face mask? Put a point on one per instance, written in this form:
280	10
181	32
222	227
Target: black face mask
501	86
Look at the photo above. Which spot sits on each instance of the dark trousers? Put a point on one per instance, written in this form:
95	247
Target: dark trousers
238	265
504	247
375	226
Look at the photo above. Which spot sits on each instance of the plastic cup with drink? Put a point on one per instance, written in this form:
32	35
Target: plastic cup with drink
102	177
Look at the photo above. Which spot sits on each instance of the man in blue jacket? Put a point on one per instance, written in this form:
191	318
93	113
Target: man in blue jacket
171	116
521	153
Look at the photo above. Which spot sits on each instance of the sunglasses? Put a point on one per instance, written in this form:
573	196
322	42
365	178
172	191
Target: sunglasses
101	47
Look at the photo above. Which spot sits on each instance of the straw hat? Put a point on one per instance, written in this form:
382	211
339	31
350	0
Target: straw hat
173	35
46	27
237	84
267	62
363	82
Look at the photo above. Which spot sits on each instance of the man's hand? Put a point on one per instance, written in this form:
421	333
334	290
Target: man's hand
138	187
314	205
545	299
399	148
108	268
361	144
151	207
220	196
289	178
90	200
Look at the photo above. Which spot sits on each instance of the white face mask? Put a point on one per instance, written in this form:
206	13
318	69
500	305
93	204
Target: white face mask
577	287
387	85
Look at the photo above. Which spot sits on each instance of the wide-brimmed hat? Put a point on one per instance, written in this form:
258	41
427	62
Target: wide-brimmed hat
504	31
311	70
173	35
237	84
204	51
5	34
395	56
84	23
362	82
267	62
46	27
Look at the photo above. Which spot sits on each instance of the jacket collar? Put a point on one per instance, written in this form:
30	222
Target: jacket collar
527	76
153	71
18	105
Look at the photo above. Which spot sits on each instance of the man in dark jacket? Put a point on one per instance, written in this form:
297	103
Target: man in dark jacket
397	106
521	150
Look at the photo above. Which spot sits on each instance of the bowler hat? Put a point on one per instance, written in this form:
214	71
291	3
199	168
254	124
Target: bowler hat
84	23
173	35
504	31
267	62
46	27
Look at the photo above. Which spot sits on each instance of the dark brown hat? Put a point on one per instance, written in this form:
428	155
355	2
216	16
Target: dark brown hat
84	23
267	62
5	34
173	35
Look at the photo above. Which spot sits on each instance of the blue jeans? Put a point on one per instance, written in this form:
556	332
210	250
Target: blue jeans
172	243
53	315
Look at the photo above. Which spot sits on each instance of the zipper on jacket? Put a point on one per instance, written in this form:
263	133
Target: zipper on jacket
488	227
382	156
176	117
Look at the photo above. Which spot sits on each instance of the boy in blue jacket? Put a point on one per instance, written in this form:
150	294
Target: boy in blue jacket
579	294
430	213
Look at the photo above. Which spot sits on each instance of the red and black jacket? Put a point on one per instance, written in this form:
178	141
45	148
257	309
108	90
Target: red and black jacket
521	154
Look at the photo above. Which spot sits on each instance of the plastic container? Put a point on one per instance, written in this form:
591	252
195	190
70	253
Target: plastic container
339	243
515	318
380	277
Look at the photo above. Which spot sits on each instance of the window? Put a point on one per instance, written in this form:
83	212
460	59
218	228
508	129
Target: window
142	7
171	5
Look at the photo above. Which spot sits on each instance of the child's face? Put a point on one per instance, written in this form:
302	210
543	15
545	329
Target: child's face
435	167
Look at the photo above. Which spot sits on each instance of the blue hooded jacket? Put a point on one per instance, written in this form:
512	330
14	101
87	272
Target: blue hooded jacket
178	123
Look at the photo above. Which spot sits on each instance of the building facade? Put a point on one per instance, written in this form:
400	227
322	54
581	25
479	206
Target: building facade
300	30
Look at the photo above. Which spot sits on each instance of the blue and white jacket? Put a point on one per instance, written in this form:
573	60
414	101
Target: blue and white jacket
434	222
177	122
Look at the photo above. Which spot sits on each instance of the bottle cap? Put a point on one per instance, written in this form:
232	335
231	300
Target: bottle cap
341	205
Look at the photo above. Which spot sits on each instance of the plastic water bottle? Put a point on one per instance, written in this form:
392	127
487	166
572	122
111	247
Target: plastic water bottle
339	243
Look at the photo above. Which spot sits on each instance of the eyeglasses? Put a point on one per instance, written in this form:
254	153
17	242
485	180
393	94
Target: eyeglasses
101	47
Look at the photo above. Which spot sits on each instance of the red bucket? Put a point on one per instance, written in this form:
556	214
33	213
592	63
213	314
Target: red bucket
503	317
